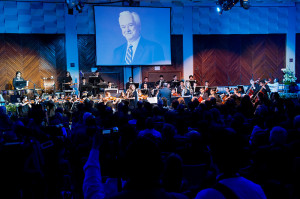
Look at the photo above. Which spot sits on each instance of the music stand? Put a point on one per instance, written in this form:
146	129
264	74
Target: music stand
151	84
94	80
144	91
21	84
175	84
241	89
192	82
128	84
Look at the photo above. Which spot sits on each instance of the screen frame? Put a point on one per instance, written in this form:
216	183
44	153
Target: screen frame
119	6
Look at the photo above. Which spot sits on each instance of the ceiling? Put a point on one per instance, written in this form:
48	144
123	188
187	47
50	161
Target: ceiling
185	2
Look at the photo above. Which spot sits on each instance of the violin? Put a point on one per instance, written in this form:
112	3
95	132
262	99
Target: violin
176	95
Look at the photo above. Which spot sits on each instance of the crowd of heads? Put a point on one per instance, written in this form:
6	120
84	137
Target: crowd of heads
153	146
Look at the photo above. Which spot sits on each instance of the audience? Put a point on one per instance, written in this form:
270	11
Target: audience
187	150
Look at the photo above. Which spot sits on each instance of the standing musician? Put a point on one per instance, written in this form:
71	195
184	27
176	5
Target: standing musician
253	88
264	88
84	86
99	79
130	81
161	81
67	81
131	91
17	80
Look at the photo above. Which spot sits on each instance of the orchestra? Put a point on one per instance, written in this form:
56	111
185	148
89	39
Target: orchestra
90	88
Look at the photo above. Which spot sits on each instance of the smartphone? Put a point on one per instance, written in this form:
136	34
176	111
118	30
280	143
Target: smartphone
106	131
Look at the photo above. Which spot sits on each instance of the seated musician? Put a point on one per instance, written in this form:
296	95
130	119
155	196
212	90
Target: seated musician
207	90
145	90
213	93
192	81
109	85
174	93
122	95
182	90
131	91
67	81
264	88
174	82
236	92
203	95
18	79
24	107
130	81
83	86
225	96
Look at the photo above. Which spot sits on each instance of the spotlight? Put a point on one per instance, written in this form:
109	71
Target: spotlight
226	4
219	10
245	4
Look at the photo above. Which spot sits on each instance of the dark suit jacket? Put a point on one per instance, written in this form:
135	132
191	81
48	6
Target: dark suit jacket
147	52
164	92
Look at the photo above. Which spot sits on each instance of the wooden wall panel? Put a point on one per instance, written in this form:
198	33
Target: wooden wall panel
232	59
35	55
168	71
297	67
87	60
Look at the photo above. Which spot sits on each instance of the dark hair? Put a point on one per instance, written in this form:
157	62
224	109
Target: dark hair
97	71
161	76
174	76
83	78
18	72
145	77
191	76
68	72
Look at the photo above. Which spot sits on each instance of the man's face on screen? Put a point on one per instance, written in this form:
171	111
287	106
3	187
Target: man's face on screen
129	28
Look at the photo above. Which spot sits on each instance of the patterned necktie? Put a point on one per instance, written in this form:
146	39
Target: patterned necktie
128	58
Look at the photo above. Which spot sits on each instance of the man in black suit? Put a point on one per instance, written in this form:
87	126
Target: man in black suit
165	92
137	50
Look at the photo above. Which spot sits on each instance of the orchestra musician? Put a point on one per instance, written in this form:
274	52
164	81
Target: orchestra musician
129	82
206	87
264	87
174	82
146	81
182	90
17	80
84	86
253	88
99	79
67	81
203	95
131	92
213	93
161	81
145	90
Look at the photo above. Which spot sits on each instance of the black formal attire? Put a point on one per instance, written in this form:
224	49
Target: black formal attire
160	83
174	84
67	80
147	52
15	82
